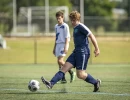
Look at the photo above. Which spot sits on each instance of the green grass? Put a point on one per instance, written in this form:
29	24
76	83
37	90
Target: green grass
14	80
27	51
113	52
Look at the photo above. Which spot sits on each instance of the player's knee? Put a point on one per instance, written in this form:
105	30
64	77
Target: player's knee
60	61
81	75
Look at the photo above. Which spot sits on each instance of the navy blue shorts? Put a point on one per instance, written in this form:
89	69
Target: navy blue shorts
79	60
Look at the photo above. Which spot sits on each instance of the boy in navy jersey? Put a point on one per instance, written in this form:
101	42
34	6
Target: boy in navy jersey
80	55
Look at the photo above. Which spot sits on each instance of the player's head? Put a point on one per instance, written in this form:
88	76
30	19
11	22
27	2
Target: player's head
74	17
60	17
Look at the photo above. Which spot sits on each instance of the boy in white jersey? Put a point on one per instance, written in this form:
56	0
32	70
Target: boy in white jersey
61	45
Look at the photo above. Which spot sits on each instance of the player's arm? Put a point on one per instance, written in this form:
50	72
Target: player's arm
54	48
94	41
66	45
67	39
54	43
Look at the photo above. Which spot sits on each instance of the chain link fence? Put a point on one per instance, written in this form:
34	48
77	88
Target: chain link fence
101	26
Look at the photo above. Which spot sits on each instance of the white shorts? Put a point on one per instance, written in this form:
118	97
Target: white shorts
59	49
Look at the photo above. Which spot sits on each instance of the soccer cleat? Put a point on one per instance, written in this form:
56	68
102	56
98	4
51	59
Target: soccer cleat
48	84
63	81
72	77
97	85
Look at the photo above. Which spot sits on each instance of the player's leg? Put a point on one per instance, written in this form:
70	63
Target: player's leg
58	76
81	73
72	74
60	58
61	63
70	62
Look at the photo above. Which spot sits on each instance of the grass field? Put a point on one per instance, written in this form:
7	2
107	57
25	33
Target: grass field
14	80
26	50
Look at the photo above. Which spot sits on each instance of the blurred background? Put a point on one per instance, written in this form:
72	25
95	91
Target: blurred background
27	29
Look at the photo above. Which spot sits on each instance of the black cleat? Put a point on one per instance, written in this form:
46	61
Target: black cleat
48	84
97	86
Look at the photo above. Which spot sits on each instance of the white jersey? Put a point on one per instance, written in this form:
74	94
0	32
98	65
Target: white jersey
62	32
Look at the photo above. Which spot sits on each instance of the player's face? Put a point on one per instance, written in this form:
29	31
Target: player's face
74	22
59	20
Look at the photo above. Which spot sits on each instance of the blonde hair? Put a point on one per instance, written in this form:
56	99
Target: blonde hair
74	15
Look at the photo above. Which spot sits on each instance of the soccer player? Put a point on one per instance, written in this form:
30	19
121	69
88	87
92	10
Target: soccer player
62	44
80	55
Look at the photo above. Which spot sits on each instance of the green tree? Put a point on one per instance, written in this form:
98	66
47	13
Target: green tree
26	3
6	10
5	15
5	6
98	7
124	24
127	8
100	10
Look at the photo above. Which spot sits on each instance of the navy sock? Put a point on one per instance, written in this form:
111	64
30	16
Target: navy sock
58	76
63	76
90	79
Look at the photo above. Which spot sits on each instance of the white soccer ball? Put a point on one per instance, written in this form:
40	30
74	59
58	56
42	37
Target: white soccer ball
33	85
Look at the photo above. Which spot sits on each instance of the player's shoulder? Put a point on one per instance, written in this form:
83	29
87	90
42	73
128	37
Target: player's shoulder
83	26
65	24
56	25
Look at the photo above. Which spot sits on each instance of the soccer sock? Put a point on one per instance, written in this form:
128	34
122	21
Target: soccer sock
58	76
63	76
90	79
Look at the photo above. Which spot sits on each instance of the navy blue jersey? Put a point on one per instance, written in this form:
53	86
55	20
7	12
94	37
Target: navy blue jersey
80	36
80	55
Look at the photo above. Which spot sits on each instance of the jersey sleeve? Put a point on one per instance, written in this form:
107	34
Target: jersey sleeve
55	29
67	32
85	30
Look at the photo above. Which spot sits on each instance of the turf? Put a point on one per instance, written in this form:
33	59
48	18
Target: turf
14	81
27	51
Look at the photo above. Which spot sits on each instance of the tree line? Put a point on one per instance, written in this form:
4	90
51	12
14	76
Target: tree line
92	8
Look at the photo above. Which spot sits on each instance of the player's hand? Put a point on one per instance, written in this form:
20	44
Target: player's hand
65	51
54	52
96	52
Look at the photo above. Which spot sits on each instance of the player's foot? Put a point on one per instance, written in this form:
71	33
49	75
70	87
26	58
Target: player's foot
72	76
63	81
48	84
97	86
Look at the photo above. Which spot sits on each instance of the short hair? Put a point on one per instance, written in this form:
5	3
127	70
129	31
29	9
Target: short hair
59	13
74	15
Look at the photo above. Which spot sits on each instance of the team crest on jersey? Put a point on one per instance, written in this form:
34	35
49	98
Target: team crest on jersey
76	30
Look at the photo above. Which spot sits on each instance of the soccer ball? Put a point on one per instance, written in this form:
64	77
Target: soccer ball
33	85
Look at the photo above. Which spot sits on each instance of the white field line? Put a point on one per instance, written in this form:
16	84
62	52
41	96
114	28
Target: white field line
68	92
